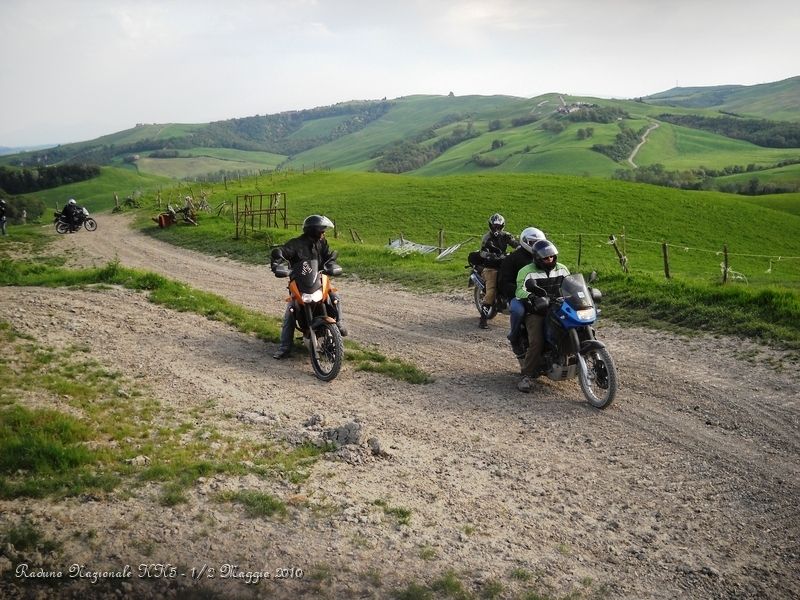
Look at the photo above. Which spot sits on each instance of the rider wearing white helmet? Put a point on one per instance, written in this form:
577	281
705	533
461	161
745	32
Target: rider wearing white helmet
72	213
507	282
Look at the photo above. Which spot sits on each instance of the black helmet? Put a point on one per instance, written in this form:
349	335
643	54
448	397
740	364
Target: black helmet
542	251
496	223
315	225
529	236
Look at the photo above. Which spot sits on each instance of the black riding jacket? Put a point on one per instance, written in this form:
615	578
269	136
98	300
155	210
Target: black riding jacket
507	277
304	247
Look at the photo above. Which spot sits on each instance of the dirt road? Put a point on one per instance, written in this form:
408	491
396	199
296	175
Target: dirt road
687	486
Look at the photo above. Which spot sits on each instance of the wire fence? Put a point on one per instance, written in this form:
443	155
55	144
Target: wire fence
624	253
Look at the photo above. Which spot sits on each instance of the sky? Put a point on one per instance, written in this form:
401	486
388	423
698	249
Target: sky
73	70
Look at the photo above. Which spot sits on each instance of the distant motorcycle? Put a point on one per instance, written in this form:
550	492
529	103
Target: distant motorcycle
63	225
478	285
315	315
571	346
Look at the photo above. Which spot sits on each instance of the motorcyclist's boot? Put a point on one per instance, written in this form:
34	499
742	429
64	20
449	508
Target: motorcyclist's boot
483	323
287	331
337	302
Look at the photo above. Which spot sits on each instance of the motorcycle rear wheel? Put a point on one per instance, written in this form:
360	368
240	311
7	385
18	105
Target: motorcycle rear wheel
62	227
90	224
479	294
327	360
599	382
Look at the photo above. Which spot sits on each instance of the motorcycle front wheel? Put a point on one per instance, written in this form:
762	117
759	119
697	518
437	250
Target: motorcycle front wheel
599	379
327	360
62	227
90	224
479	294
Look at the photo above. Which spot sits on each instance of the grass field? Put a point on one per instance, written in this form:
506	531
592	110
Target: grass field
578	214
204	161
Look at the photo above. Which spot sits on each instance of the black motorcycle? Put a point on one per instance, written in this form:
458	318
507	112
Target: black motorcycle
476	281
64	225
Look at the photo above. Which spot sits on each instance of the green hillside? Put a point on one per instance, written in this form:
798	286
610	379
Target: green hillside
447	135
573	211
778	100
98	194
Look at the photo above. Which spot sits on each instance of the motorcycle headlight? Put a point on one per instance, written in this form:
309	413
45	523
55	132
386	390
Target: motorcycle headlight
587	314
315	297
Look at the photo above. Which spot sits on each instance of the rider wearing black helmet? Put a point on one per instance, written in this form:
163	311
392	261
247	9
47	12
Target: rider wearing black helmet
548	274
507	282
493	250
311	245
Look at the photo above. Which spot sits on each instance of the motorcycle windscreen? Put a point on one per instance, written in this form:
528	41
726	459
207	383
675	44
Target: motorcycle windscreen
306	274
575	292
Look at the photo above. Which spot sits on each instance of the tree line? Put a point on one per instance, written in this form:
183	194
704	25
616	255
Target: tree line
769	134
408	155
23	181
704	179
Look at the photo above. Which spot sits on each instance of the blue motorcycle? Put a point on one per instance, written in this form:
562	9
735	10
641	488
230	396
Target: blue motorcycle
571	347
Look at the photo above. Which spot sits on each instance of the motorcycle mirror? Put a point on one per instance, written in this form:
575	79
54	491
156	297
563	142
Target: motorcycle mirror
593	277
596	295
333	269
531	286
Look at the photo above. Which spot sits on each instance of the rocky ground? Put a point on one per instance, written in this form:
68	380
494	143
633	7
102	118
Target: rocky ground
686	486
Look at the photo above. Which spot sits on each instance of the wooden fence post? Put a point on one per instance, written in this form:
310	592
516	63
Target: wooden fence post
441	240
725	264
623	260
665	252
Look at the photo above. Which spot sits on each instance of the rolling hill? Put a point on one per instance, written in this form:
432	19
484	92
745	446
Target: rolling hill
447	135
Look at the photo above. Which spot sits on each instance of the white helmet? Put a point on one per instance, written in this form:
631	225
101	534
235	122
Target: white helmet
72	201
529	236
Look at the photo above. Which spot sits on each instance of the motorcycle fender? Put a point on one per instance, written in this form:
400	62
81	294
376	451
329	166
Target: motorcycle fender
588	345
322	319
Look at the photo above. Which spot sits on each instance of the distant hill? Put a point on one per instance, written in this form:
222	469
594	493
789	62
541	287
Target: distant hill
4	150
444	135
774	101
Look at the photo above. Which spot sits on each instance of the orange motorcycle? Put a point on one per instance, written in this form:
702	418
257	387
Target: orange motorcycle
316	313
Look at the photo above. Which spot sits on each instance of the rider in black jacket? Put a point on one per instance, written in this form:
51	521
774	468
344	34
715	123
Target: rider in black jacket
311	245
507	282
72	214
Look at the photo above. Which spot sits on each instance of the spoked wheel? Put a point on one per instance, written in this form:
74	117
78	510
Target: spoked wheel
599	379
62	227
479	294
90	224
327	360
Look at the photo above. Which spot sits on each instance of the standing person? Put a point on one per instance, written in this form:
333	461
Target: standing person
507	283
3	216
311	245
494	244
72	214
548	274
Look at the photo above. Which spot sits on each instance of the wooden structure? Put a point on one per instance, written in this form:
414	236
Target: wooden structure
255	211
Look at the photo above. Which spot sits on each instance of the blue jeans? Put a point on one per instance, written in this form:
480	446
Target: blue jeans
516	311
